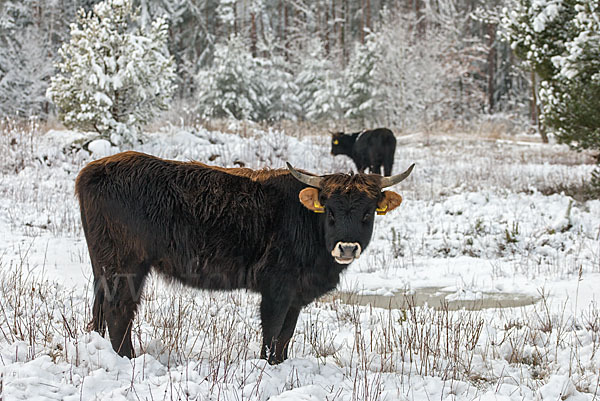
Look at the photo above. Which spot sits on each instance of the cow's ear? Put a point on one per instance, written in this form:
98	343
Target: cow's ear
390	201
309	197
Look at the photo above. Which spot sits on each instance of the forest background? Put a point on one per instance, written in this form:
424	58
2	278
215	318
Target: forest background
404	64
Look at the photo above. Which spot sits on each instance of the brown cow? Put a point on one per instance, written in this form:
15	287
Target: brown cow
285	234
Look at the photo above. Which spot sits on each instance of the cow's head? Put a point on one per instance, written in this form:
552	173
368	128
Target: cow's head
341	144
348	203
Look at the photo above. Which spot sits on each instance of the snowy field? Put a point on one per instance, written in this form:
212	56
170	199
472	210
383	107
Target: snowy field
481	216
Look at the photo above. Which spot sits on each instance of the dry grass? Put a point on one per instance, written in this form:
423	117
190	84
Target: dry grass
220	332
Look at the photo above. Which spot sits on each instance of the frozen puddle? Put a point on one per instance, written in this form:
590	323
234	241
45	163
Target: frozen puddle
437	298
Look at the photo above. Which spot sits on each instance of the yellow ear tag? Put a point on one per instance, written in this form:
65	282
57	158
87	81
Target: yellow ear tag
318	207
336	142
381	210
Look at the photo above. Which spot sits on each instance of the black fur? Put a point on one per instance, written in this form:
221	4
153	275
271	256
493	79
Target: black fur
216	228
368	149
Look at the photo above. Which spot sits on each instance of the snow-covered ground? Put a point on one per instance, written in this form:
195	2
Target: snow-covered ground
475	221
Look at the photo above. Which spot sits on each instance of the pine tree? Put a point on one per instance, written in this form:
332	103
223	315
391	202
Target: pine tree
572	97
561	42
231	87
281	100
318	86
27	68
537	32
112	78
26	57
361	88
572	101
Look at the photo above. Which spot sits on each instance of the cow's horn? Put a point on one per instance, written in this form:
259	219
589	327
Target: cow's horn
393	180
305	178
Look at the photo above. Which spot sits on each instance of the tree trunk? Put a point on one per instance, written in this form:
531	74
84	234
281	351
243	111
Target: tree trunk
280	12
326	30
420	19
491	67
335	25
285	29
361	25
535	111
235	19
253	37
368	15
343	32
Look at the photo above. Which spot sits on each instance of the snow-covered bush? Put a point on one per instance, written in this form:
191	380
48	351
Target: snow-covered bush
114	76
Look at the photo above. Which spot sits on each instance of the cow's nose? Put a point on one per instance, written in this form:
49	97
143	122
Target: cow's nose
348	250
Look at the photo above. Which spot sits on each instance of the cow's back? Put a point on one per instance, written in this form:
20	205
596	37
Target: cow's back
375	147
380	137
194	223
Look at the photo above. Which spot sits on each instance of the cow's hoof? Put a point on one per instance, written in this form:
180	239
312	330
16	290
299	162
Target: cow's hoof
273	360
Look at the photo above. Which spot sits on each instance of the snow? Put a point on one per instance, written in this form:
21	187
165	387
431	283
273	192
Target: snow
474	222
100	148
547	12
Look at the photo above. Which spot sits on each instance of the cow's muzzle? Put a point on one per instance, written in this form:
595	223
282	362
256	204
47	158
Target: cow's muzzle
346	252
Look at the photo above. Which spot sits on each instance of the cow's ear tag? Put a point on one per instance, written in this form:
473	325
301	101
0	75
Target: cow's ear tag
335	142
309	197
381	210
389	202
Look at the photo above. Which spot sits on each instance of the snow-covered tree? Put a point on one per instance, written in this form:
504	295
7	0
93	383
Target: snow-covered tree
26	56
538	31
317	84
25	69
393	70
114	76
560	41
571	98
361	89
281	101
429	76
231	87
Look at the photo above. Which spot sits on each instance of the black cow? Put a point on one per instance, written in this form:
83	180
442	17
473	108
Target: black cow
285	234
368	149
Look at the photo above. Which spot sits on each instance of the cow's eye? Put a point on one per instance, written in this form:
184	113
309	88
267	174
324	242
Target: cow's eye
367	217
330	217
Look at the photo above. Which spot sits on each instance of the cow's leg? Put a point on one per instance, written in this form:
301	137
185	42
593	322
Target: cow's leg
273	312
388	159
388	162
120	305
360	167
97	246
289	325
387	166
376	169
98	322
